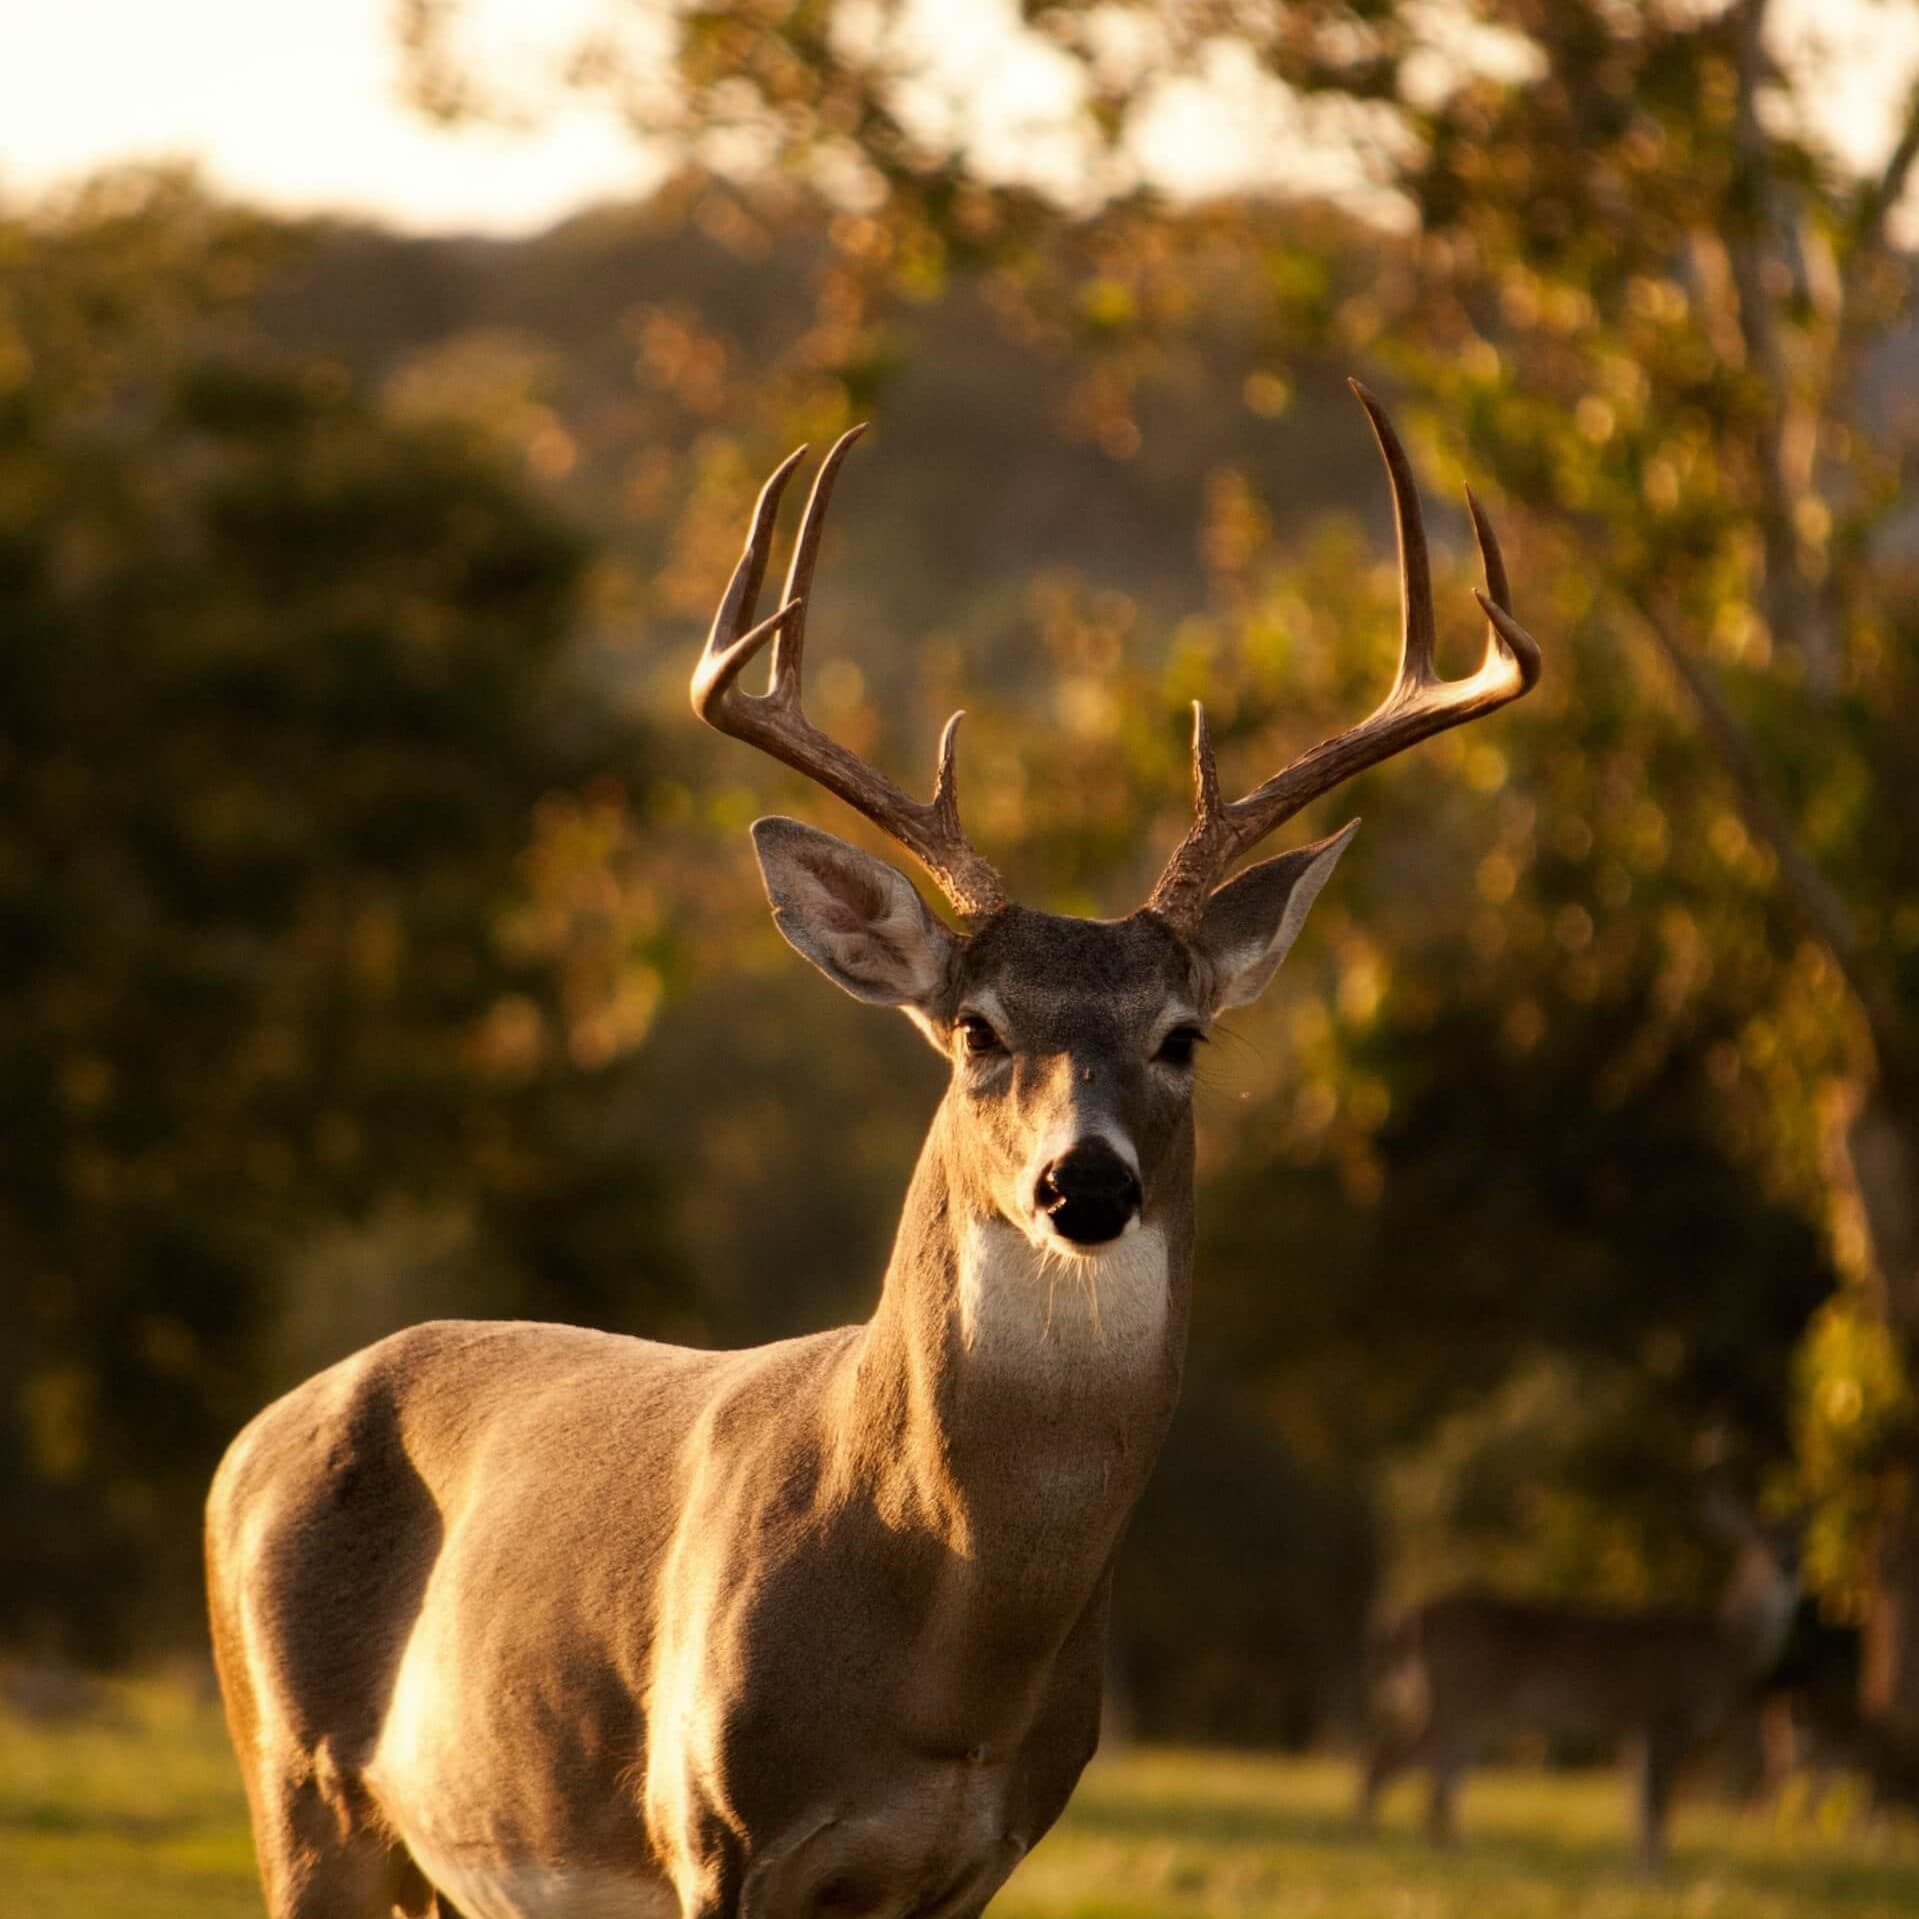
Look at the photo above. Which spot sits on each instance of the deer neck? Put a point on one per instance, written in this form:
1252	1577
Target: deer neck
1012	1400
1756	1611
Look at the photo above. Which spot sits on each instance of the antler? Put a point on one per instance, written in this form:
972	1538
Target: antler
774	722
1420	704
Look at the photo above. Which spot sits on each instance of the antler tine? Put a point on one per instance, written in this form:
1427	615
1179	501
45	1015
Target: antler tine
1503	632
790	647
774	721
727	649
1206	804
1490	558
1419	705
1418	633
946	773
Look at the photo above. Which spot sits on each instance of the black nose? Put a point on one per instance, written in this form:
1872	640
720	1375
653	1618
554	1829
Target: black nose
1089	1194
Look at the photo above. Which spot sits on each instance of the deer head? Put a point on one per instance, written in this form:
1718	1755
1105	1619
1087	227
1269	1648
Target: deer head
1071	1041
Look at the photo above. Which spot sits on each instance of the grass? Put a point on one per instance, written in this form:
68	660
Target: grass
137	1815
1188	1835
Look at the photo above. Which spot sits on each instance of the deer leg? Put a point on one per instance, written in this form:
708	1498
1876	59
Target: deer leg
1659	1756
323	1850
1779	1753
1447	1759
1386	1758
318	1862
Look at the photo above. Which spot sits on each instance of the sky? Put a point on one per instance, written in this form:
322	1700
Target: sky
297	105
294	104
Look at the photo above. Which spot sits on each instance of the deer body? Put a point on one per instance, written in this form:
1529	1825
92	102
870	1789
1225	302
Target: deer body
530	1622
1473	1667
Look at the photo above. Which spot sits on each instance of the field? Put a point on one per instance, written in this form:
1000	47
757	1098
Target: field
135	1814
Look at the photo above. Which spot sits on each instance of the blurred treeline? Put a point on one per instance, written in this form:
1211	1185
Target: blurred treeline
379	936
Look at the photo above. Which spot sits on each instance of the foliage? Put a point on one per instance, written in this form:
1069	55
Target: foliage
280	690
1853	1411
1652	305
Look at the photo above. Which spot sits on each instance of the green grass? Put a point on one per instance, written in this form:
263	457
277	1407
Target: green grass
139	1816
1187	1835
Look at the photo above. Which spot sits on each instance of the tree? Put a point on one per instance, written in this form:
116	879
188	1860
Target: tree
279	695
1659	318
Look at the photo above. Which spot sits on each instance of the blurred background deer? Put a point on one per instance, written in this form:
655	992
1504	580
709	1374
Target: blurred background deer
1457	1674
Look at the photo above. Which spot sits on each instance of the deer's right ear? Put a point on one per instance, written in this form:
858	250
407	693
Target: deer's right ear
860	922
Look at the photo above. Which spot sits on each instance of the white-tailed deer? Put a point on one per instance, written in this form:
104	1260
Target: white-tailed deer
531	1620
1471	1668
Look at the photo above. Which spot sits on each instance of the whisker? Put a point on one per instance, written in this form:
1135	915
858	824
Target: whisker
1091	1277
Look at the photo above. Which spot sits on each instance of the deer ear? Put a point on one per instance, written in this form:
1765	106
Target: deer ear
861	923
1251	921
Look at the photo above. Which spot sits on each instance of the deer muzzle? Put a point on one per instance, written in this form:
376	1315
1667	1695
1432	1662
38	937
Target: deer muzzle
1089	1194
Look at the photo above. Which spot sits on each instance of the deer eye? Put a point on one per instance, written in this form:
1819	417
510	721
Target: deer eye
1176	1049
978	1037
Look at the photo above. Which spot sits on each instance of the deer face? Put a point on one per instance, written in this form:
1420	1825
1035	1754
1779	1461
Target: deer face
1072	1045
1072	1042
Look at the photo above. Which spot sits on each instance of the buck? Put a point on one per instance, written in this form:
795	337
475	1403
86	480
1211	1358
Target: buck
533	1620
1472	1667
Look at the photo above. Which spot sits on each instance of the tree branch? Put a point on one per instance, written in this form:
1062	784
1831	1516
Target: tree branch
1817	901
1792	612
1885	193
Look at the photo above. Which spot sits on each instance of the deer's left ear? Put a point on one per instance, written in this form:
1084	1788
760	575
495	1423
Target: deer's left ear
1252	920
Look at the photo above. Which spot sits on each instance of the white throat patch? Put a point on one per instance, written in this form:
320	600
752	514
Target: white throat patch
1026	1310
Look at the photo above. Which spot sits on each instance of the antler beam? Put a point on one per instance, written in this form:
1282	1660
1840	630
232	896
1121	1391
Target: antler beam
774	722
1419	705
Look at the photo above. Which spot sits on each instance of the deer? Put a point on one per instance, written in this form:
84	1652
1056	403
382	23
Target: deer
522	1621
1474	1666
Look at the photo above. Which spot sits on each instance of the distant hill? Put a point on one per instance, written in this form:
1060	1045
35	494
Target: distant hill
969	485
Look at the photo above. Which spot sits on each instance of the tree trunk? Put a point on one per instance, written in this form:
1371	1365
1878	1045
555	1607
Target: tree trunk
1881	1145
